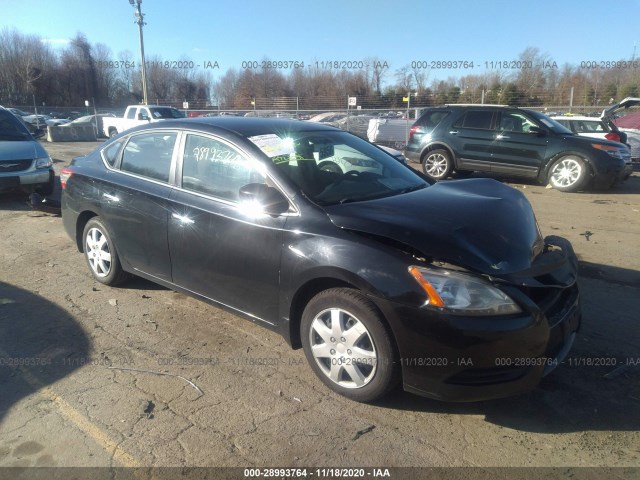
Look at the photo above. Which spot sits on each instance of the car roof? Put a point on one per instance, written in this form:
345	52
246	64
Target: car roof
247	126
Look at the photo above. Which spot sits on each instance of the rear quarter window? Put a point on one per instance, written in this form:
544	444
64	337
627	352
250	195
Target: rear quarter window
430	119
110	154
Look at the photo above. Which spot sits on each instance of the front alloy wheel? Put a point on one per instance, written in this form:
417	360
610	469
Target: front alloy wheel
437	164
568	174
348	345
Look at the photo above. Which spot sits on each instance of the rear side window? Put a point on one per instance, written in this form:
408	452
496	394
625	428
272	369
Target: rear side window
430	119
149	155
480	119
585	126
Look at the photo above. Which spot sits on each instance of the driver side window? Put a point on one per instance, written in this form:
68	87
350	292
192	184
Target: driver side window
214	168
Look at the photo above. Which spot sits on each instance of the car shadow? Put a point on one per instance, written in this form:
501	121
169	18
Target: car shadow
40	343
596	388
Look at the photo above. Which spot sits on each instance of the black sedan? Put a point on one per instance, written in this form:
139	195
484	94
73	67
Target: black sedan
379	274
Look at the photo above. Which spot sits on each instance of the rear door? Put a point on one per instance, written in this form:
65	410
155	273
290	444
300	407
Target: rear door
472	137
134	200
221	248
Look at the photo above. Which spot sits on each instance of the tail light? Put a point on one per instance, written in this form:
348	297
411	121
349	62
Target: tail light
412	131
65	175
612	136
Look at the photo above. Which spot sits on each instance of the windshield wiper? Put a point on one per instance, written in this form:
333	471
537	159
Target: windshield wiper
411	189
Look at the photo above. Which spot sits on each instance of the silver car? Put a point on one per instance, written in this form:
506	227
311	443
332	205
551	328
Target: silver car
24	163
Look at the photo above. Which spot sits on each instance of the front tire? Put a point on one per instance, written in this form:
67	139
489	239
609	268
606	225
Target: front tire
437	164
348	345
568	174
100	253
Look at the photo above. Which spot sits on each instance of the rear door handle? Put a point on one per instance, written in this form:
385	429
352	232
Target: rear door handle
182	219
501	137
453	132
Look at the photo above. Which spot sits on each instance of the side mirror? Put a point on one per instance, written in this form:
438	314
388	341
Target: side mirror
142	116
541	132
39	133
270	199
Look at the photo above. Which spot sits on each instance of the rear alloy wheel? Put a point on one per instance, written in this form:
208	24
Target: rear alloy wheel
568	174
348	346
100	253
437	164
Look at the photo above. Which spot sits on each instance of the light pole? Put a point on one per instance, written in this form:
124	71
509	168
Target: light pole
140	21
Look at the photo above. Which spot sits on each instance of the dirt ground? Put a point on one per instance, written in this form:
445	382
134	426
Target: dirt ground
143	376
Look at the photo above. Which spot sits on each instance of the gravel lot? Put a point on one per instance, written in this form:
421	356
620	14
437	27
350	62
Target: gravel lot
234	394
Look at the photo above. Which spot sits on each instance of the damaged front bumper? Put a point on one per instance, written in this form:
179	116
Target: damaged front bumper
464	358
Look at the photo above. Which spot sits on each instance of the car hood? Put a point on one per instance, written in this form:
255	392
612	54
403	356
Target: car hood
479	224
21	150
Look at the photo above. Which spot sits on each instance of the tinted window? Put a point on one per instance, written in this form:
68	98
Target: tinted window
149	155
131	113
430	119
476	119
215	168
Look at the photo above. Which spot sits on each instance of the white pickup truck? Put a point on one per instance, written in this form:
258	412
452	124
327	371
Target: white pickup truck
138	115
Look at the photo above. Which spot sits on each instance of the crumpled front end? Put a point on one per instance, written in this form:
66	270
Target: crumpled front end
465	358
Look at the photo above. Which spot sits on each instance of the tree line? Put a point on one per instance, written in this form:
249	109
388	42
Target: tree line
31	71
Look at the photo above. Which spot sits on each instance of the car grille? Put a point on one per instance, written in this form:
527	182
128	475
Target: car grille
15	166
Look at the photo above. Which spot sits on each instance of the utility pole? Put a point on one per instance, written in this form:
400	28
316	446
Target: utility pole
140	21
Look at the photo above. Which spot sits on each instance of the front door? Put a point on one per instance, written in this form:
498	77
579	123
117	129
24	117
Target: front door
221	248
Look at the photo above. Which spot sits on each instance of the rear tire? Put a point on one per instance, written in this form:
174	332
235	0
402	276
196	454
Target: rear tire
101	255
348	345
437	164
568	174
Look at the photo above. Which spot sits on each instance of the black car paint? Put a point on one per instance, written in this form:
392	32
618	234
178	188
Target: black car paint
266	269
519	154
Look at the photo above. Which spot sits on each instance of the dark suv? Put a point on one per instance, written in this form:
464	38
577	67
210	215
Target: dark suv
513	141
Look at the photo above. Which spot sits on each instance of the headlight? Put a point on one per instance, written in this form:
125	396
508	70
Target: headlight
613	151
43	162
462	294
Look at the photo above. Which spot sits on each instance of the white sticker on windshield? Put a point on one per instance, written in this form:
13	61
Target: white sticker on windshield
272	145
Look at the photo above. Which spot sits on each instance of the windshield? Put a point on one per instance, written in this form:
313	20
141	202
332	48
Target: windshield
11	128
166	113
550	123
332	167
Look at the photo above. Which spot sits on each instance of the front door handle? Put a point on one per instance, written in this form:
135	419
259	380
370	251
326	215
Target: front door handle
453	132
182	219
502	137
